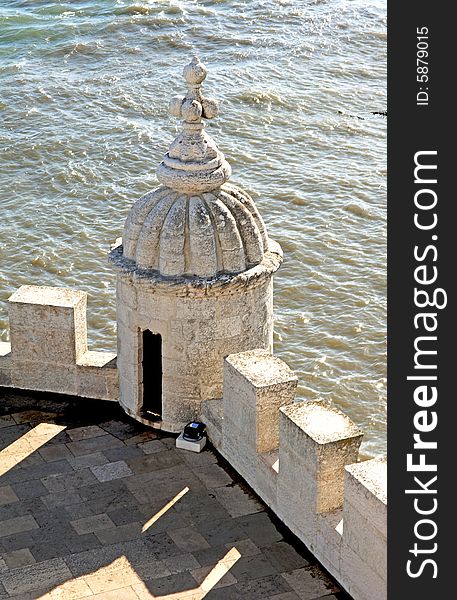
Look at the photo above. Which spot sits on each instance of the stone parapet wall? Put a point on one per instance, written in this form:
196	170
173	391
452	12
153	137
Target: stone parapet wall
301	459
48	350
5	364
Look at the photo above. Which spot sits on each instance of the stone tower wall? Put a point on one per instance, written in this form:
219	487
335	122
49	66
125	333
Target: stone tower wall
198	331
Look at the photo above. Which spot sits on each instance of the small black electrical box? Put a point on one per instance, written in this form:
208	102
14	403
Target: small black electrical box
194	431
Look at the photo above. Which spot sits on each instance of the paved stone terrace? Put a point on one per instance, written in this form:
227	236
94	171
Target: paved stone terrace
93	505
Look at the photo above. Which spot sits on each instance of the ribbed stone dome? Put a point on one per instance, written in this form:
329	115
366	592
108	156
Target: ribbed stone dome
195	224
201	235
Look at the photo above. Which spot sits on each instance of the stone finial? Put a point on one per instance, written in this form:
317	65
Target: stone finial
194	105
193	163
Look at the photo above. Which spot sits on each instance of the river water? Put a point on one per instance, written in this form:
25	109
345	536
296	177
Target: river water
84	89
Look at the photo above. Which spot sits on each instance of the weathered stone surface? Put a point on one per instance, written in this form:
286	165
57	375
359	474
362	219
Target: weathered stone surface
44	377
92	445
92	524
104	533
152	447
267	468
122	533
67	482
329	539
237	502
87	460
293	596
110	471
365	514
221	531
33	301
7	495
360	578
284	556
317	441
220	227
200	575
259	528
35	577
366	490
55	452
307	586
97	360
76	589
96	376
196	268
181	562
252	567
212	414
257	589
193	348
172	586
5	364
322	423
85	433
256	385
48	324
49	346
19	558
29	489
239	449
188	539
213	476
17	525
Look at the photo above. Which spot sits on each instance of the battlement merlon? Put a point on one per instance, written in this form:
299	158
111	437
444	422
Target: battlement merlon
301	458
48	352
364	544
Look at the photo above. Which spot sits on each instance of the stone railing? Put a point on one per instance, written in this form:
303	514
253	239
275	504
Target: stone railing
300	458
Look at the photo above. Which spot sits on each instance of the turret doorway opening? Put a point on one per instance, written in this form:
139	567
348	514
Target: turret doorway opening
152	375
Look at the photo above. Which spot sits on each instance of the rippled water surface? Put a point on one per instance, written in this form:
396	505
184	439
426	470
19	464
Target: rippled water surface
84	89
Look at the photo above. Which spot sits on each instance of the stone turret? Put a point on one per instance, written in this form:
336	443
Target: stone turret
194	275
194	292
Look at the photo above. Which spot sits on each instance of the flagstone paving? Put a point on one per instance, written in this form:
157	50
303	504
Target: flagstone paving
94	505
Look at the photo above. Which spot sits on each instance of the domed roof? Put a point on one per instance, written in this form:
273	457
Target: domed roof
195	235
195	224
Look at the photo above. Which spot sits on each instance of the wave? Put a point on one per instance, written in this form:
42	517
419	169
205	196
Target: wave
359	210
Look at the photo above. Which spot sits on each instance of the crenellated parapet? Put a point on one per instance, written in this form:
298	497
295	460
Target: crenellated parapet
301	459
48	346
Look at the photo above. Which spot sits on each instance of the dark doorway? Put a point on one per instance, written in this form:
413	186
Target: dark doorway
152	375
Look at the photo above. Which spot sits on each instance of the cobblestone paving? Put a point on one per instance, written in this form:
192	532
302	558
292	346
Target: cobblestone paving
93	505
